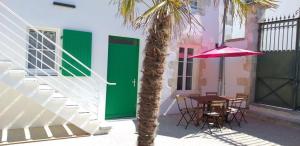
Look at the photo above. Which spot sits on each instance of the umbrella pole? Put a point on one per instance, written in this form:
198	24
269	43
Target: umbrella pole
222	59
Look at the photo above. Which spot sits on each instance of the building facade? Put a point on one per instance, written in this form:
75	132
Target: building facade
82	51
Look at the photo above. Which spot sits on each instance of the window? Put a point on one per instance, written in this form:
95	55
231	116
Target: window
41	53
194	4
185	69
235	28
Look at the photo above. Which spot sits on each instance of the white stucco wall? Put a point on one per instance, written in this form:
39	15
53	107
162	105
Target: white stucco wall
96	16
99	17
200	41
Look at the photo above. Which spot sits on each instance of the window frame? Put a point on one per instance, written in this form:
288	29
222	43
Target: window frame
57	52
184	75
232	24
194	7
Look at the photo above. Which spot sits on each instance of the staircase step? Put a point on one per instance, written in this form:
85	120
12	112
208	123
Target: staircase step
80	119
42	95
74	105
17	71
13	77
4	65
84	112
68	112
16	74
50	100
58	96
55	104
28	85
45	87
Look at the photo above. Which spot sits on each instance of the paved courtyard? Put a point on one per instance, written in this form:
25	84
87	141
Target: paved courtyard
256	132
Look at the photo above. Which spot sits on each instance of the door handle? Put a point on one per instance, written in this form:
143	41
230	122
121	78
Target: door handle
133	82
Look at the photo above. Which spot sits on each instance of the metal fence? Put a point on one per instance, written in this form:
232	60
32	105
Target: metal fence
278	70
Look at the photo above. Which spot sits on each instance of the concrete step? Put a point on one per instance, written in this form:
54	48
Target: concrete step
13	77
4	65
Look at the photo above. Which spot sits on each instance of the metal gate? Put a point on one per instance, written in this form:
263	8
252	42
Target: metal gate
278	72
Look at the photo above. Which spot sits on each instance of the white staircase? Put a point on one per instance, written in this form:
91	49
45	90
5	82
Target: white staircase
50	100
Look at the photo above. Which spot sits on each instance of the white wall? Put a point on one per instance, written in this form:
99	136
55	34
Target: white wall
96	16
100	18
201	41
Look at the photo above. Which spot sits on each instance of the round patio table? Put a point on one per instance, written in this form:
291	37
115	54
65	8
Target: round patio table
206	100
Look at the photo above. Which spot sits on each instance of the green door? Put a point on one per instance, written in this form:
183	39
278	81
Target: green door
123	56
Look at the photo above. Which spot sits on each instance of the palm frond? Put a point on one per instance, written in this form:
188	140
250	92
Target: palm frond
241	9
127	8
178	10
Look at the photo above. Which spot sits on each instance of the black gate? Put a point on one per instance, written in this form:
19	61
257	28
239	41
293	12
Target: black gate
278	72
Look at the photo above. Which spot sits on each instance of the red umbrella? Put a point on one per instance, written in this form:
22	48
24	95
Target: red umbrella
225	51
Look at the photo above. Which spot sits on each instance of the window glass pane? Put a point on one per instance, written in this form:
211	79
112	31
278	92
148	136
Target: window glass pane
32	39
194	4
40	41
47	44
180	68
189	69
188	83
48	62
190	53
179	83
31	59
45	58
181	54
38	60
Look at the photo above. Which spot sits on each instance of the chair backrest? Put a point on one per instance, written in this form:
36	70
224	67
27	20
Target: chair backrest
181	101
243	97
191	101
211	94
237	103
218	106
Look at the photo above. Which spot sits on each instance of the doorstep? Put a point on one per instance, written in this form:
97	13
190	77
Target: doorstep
275	114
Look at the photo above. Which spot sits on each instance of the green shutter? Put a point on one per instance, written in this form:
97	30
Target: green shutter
78	44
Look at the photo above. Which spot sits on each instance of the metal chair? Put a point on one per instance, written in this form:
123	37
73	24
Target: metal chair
211	94
216	114
188	114
243	109
234	109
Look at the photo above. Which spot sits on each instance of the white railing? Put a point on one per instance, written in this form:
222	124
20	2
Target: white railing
14	37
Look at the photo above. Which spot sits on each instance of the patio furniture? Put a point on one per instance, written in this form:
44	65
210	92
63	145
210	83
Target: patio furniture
215	115
234	109
211	94
244	108
187	113
205	102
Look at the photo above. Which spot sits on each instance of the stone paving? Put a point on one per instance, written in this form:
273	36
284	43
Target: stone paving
256	132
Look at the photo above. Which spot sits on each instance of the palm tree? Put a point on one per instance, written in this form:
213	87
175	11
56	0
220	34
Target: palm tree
162	19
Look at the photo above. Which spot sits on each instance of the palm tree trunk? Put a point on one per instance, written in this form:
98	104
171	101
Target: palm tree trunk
153	69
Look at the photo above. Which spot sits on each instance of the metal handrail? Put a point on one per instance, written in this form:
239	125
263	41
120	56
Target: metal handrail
43	45
23	67
56	45
23	58
23	40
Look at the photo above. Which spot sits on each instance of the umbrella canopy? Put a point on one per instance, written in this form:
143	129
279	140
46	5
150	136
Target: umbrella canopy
225	51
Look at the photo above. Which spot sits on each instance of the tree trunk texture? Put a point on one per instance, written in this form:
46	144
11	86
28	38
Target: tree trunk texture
153	69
